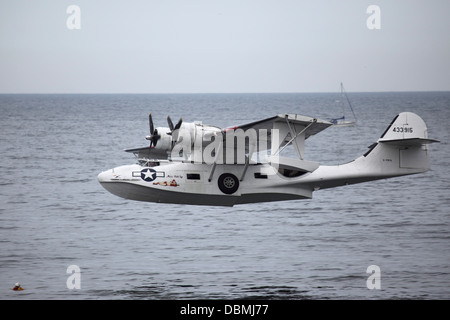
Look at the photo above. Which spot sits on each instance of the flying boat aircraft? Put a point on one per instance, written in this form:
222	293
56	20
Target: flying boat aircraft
198	164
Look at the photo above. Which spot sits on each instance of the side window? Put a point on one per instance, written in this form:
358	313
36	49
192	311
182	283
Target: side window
259	175
291	173
193	176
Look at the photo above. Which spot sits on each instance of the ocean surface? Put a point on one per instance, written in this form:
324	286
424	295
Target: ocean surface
54	213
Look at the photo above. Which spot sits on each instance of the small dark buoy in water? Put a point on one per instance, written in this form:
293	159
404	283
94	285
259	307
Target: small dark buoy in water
17	287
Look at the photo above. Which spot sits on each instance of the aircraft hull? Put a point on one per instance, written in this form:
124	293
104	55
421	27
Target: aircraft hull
186	183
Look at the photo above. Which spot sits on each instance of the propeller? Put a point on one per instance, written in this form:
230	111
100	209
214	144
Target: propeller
172	127
154	135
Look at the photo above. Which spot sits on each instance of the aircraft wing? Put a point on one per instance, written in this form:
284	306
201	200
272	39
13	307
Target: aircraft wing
272	133
149	153
283	129
285	119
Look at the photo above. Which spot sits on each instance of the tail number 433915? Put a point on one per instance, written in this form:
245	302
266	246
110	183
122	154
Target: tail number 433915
403	129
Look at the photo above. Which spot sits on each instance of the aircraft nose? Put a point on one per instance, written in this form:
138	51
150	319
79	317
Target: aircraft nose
104	176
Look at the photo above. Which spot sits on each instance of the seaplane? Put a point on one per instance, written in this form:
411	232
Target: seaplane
198	164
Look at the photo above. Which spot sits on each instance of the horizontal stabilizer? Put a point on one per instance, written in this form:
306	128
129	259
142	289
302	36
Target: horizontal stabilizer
409	142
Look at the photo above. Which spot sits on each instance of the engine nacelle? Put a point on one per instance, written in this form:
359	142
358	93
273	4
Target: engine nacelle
194	133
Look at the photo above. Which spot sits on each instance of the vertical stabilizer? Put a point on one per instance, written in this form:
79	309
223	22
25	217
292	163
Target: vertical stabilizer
407	136
401	150
406	126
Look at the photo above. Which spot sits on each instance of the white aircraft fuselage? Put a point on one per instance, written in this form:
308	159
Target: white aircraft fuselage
401	150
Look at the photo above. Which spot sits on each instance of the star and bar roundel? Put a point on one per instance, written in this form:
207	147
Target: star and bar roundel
149	174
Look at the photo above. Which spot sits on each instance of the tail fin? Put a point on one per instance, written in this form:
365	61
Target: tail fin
404	144
401	150
407	128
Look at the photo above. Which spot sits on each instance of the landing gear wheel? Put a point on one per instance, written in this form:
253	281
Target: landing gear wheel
228	183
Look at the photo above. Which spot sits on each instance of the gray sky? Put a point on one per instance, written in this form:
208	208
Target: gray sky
197	46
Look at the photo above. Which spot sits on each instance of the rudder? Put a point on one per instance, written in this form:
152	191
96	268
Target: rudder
406	140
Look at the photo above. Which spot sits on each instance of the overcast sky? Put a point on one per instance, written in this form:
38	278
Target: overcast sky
203	46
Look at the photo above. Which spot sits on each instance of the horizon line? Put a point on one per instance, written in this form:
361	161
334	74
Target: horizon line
212	93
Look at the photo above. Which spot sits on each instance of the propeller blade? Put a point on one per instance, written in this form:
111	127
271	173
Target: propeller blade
171	126
154	136
170	123
174	129
178	125
150	121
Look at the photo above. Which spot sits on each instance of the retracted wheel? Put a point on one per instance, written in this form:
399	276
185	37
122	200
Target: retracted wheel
228	183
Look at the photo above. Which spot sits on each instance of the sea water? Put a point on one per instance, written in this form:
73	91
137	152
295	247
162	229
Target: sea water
54	214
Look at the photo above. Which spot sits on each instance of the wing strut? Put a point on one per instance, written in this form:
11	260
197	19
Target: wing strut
293	138
213	168
294	135
247	161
